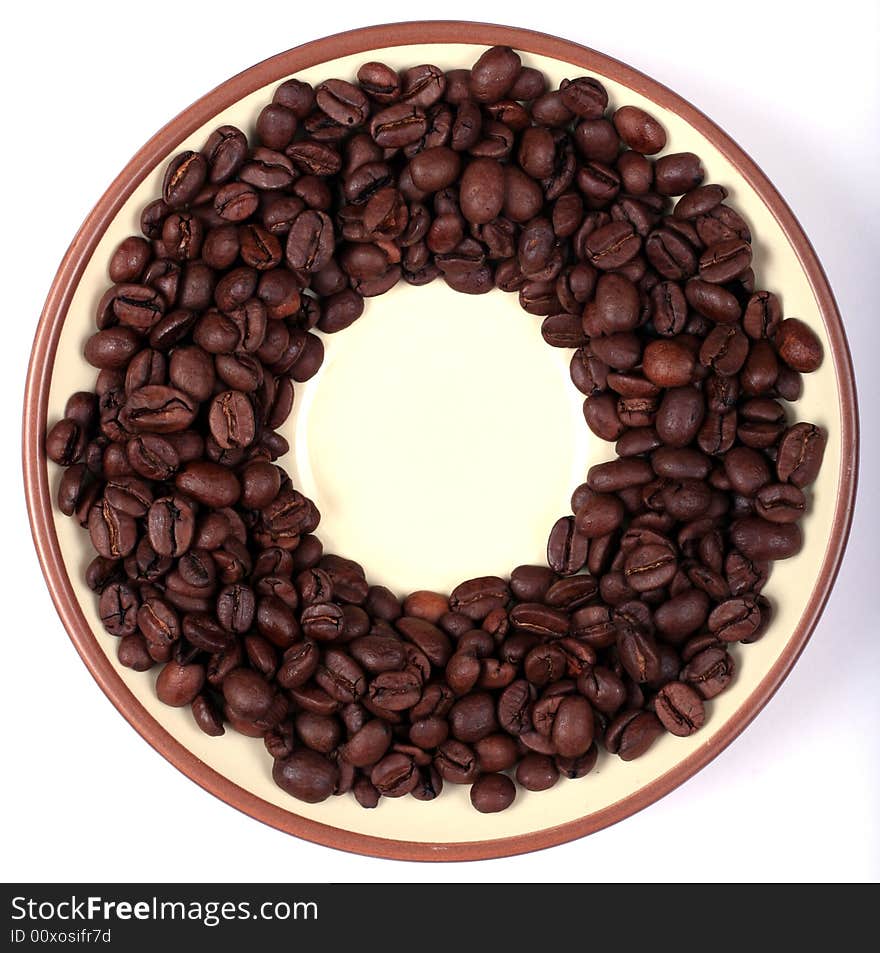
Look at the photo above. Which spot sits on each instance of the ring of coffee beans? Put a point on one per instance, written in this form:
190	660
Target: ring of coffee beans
207	564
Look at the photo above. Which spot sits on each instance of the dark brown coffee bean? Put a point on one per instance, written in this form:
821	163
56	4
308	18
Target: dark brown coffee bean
159	410
761	539
231	419
395	691
435	169
65	442
762	316
208	483
713	301
306	775
639	130
780	503
724	261
668	363
735	619
112	348
310	241
340	676
493	74
677	173
566	547
613	245
573	727
492	793
671	254
709	672
601	514
537	772
679	708
184	178
679	416
798	346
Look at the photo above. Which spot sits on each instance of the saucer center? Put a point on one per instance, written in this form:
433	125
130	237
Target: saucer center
441	438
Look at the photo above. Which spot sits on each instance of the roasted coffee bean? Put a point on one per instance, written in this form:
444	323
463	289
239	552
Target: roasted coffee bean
713	301
369	744
208	483
427	637
492	793
679	708
639	130
761	539
613	245
113	533
473	717
566	548
310	241
170	525
780	502
638	653
493	74
735	619
184	178
668	363
159	410
118	609
709	672
231	420
670	254
798	345
675	174
632	733
762	315
679	416
395	691
601	514
537	772
65	442
112	348
306	775
573	727
618	475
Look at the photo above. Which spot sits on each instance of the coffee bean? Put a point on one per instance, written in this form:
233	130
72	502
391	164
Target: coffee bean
679	708
709	672
668	363
493	74
632	733
601	514
492	793
231	420
178	685
306	775
639	130
537	772
679	416
735	619
208	483
170	525
157	409
573	727
675	174
184	178
761	539
780	503
566	548
798	346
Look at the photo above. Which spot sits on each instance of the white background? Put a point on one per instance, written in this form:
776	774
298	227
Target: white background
85	799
